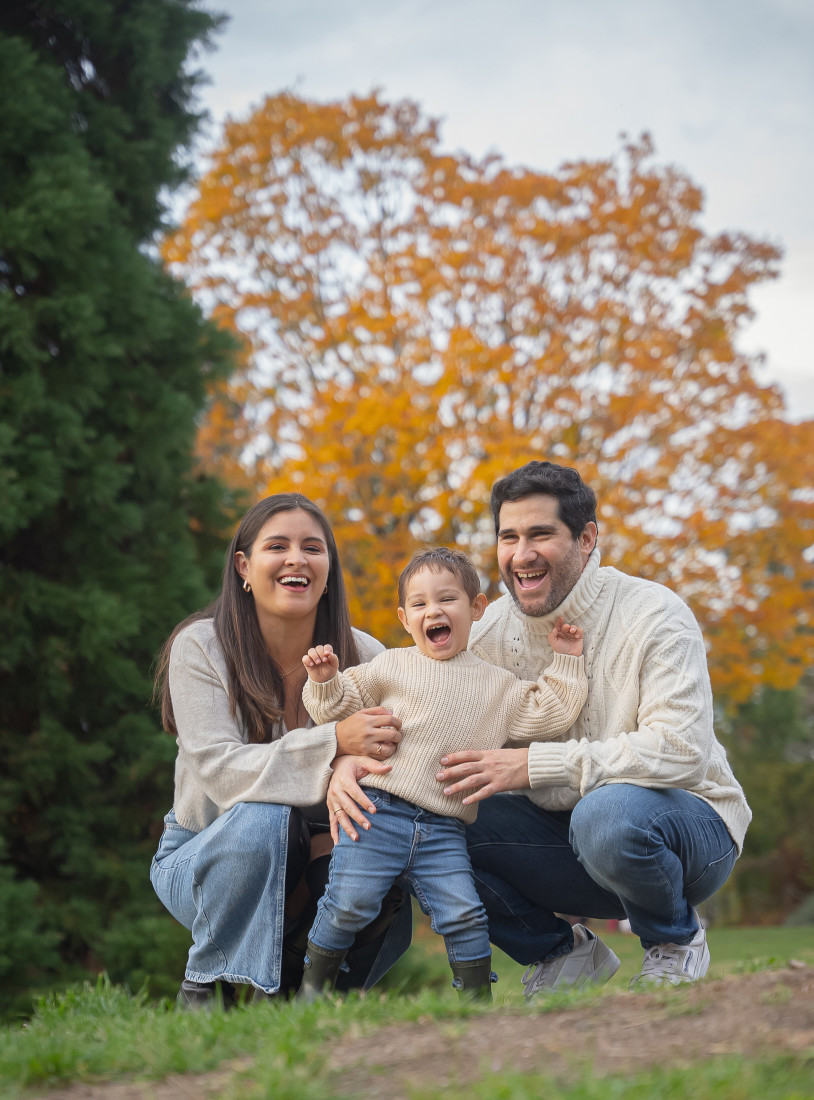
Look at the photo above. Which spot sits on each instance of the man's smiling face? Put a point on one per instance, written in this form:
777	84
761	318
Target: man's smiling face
539	559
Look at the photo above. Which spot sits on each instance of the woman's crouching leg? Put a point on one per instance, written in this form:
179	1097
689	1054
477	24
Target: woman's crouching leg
227	885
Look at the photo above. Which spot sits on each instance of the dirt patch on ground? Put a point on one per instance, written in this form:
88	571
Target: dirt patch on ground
187	1086
771	1012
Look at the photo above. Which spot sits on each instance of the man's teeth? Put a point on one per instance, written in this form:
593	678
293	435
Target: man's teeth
529	580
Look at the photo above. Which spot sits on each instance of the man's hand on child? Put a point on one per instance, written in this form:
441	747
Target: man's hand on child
321	663
566	638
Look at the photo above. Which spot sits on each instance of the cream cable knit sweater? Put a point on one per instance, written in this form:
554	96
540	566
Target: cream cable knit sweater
449	706
648	719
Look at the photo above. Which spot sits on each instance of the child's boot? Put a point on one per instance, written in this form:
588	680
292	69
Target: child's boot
320	973
473	979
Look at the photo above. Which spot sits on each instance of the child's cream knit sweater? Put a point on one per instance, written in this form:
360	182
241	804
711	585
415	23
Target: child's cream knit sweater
449	706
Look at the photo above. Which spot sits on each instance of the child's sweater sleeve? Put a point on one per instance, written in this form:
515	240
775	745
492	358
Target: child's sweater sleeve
545	709
344	694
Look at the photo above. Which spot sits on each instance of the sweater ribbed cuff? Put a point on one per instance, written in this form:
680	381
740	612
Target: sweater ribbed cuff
324	690
547	765
564	666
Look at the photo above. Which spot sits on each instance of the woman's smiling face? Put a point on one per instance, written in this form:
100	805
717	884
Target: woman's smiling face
287	567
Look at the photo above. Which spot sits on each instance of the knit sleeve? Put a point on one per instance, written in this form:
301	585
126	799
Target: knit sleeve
344	694
550	706
673	740
294	769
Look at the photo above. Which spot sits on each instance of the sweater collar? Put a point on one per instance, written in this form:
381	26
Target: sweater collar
576	606
465	657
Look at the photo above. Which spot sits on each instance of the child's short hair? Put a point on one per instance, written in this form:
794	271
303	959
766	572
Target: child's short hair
440	559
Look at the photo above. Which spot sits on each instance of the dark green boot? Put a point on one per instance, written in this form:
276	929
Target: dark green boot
204	996
473	979
319	975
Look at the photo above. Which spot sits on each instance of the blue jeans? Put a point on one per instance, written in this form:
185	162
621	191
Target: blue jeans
426	853
227	884
623	851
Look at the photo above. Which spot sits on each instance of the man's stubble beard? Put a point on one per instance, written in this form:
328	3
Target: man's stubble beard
561	580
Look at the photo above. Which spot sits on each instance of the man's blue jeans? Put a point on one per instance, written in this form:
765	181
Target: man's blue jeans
426	853
624	851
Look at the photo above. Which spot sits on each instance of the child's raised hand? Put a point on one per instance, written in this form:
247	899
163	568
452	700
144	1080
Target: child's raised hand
321	663
566	638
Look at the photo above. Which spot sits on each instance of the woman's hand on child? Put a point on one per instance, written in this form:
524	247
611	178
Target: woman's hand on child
566	638
371	732
346	799
321	663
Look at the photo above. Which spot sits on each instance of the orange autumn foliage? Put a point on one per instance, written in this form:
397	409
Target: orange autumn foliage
419	323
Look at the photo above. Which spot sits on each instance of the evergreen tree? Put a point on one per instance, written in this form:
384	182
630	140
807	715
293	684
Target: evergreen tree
108	534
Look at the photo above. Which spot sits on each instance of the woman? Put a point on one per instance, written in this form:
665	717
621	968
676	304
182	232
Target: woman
250	778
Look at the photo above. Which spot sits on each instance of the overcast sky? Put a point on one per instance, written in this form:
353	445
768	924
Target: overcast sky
726	88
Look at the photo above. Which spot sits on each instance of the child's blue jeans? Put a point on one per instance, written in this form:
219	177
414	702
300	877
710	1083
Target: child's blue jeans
427	853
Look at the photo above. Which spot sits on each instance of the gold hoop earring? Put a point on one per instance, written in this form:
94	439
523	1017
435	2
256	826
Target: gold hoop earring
325	590
246	586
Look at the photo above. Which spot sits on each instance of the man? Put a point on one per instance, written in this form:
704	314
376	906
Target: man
634	812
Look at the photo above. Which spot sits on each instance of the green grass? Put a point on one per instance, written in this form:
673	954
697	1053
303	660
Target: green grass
101	1032
96	1032
719	1079
733	951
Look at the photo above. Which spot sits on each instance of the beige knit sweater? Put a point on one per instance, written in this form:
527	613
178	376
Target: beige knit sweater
216	767
449	706
648	719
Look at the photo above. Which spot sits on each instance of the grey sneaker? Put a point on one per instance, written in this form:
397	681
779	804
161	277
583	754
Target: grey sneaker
590	961
674	963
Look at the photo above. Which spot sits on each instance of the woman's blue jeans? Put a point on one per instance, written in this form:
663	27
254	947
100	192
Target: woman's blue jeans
624	851
426	853
227	884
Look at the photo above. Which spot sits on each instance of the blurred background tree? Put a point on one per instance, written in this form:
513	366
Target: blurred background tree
416	323
109	531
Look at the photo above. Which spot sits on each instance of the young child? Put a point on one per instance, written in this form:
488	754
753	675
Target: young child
448	700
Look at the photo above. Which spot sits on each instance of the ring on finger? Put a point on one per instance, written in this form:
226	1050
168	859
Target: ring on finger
378	749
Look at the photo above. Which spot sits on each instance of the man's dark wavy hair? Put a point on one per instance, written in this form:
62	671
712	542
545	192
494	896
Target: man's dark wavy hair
576	502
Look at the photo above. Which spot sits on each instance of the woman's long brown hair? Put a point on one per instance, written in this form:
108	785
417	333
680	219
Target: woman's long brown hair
256	684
